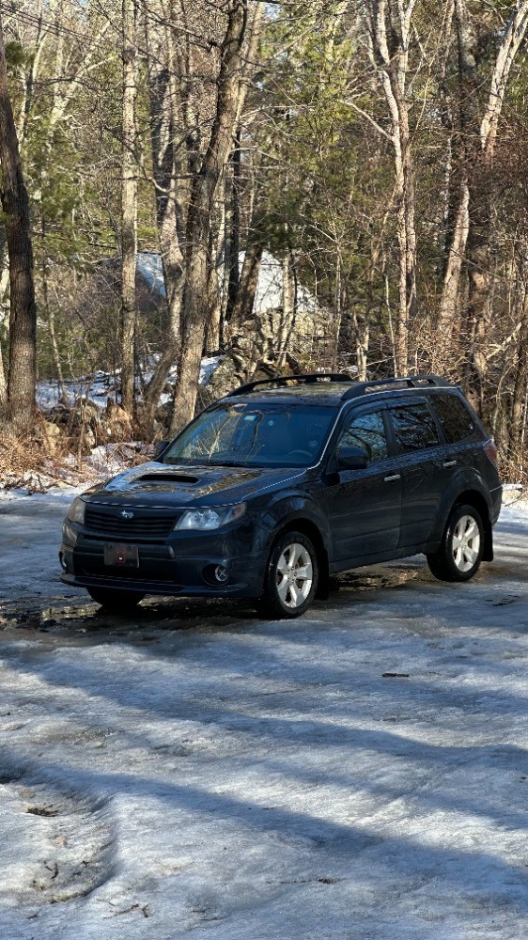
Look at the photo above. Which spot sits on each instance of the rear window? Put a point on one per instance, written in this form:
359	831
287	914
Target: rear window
455	418
414	427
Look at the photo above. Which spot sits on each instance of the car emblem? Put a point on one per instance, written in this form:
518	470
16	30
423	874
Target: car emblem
127	515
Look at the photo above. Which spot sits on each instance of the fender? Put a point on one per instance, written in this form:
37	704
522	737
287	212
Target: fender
287	509
464	480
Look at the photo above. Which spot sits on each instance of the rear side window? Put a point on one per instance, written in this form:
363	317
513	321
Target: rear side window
455	418
414	427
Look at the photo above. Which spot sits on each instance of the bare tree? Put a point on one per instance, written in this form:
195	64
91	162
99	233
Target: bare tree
390	26
129	239
480	265
472	233
3	383
232	87
171	120
23	314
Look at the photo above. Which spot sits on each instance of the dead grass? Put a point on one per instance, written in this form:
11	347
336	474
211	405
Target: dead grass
36	461
19	454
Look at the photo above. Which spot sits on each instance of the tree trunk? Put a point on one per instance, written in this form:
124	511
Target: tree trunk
389	28
479	143
3	384
232	254
165	100
231	95
50	317
289	308
448	310
129	244
23	315
517	422
248	286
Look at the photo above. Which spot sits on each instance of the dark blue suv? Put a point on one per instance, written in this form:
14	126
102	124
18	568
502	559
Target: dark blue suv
287	481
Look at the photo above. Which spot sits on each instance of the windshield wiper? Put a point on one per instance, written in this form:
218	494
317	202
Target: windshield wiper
225	463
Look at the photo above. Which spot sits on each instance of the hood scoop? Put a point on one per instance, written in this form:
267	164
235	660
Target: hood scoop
166	478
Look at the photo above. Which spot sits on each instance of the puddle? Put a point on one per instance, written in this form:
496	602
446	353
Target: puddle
79	618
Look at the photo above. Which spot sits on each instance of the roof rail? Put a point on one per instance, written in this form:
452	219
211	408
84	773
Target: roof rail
281	380
413	381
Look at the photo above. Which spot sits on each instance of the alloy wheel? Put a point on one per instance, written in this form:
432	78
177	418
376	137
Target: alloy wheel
466	543
294	575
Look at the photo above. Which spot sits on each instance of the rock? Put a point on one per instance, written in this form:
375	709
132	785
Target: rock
119	422
52	435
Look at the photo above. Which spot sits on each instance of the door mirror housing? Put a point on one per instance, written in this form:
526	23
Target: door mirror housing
352	458
159	448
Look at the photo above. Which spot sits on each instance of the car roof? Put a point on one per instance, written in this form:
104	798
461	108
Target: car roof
331	388
324	394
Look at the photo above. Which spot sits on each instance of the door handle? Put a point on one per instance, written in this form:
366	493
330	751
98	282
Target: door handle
449	463
392	479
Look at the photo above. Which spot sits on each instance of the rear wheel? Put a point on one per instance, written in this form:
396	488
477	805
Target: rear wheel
291	577
460	553
114	600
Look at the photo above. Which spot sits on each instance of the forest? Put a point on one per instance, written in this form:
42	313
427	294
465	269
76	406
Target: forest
373	152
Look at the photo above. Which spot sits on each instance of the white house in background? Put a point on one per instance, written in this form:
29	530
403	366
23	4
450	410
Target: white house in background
269	291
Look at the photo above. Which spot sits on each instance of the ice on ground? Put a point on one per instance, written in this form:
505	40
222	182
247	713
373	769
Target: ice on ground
358	774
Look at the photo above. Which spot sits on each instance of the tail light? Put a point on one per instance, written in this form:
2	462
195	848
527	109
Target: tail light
491	451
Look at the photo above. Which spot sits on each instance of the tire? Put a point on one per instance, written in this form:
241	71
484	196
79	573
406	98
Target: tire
114	600
460	554
292	576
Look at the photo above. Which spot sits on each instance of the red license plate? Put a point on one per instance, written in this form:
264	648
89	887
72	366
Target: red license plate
121	556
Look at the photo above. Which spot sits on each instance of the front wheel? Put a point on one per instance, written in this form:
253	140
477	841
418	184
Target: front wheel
291	577
115	601
460	553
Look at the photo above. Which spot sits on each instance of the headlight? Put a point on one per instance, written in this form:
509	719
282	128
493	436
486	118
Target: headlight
206	519
77	510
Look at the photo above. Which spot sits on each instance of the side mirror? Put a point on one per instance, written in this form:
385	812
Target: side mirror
352	458
159	448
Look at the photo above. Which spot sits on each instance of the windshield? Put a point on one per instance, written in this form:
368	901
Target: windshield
243	435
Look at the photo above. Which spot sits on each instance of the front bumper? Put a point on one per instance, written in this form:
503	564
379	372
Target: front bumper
182	566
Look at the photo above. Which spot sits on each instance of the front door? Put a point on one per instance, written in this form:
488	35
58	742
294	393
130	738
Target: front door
365	505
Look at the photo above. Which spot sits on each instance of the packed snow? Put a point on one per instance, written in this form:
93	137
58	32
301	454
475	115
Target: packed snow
358	774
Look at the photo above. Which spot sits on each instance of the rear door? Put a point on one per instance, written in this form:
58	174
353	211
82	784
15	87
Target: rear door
418	442
364	506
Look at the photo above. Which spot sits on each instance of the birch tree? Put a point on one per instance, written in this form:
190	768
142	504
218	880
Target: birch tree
390	27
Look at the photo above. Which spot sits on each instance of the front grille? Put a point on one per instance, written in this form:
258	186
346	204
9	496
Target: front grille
112	573
142	527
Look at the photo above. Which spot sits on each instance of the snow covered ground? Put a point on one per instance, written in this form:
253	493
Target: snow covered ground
100	386
359	774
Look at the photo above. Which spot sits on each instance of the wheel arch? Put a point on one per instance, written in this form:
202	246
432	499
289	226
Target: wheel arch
310	529
479	502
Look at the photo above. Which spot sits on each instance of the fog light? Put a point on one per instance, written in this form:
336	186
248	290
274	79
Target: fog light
62	560
221	574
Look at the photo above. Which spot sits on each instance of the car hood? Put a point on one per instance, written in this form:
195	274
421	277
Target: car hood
156	484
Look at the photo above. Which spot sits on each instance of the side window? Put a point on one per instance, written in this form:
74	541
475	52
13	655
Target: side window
414	427
368	433
455	418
